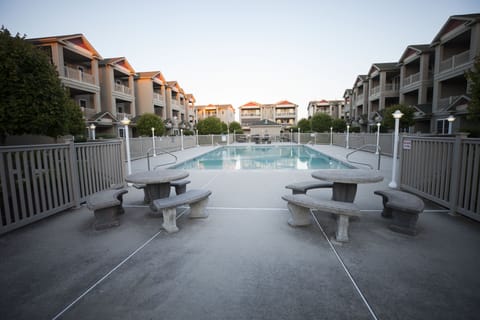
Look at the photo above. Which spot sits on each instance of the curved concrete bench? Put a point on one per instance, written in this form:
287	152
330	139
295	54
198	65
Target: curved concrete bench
299	206
197	199
304	186
106	206
403	207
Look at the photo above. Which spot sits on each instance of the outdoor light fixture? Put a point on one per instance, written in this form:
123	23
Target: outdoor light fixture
378	138
331	135
450	120
92	128
125	121
153	141
348	136
396	115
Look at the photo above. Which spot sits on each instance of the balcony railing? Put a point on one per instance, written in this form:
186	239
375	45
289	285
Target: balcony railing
285	114
79	75
454	61
123	89
389	87
413	78
157	96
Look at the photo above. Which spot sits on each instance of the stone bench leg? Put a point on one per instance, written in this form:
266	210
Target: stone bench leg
386	212
170	219
299	216
342	228
107	217
180	189
199	209
404	222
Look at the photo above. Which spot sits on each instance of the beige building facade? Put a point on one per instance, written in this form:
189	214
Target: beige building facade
225	112
283	113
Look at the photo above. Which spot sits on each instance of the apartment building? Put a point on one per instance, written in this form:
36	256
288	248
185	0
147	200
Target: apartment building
150	93
384	86
429	77
416	82
225	112
334	108
117	87
456	46
284	113
77	64
359	109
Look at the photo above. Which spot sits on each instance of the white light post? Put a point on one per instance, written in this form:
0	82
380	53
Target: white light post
396	115
92	130
196	131
331	135
233	136
450	119
298	135
181	137
378	138
125	121
153	141
228	133
291	135
348	136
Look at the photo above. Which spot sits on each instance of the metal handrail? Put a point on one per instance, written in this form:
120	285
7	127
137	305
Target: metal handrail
360	149
157	153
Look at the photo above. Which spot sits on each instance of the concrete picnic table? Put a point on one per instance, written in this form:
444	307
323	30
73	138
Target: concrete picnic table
157	182
345	181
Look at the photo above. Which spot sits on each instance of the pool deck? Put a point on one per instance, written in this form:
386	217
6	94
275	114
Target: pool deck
244	261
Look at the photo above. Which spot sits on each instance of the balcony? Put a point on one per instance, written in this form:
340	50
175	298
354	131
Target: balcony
455	61
411	79
78	75
158	97
123	89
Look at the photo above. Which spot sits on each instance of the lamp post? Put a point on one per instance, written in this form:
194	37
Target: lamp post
378	138
125	121
92	130
234	136
450	119
291	135
396	115
153	141
331	135
348	136
196	131
298	135
181	137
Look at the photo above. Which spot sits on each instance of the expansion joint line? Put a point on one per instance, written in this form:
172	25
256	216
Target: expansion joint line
112	271
345	268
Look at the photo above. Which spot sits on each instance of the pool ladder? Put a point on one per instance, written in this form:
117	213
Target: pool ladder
360	149
149	151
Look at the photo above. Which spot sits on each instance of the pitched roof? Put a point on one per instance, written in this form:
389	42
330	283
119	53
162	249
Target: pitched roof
283	102
415	49
251	104
454	22
77	39
120	61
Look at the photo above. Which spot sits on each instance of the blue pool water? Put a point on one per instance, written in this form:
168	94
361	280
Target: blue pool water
260	157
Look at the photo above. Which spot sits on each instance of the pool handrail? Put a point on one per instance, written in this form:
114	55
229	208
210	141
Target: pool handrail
159	153
360	149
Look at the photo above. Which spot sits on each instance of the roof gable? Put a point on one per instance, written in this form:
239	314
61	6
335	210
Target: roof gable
455	22
73	40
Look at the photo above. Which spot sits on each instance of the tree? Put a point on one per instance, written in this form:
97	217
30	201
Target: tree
33	100
235	126
473	77
211	125
405	121
339	125
147	121
304	125
321	122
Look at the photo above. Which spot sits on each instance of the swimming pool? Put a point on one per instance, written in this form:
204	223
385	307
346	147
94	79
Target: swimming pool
263	157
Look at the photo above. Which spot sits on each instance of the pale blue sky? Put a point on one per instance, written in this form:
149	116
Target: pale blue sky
232	52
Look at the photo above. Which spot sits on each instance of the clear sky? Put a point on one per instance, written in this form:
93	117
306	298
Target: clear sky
233	52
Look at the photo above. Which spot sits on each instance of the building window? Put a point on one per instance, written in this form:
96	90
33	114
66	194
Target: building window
82	103
442	126
121	132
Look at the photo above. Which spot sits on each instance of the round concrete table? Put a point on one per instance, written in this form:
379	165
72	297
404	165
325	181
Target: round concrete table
157	182
345	181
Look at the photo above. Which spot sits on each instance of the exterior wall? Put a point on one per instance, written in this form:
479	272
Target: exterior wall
226	113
